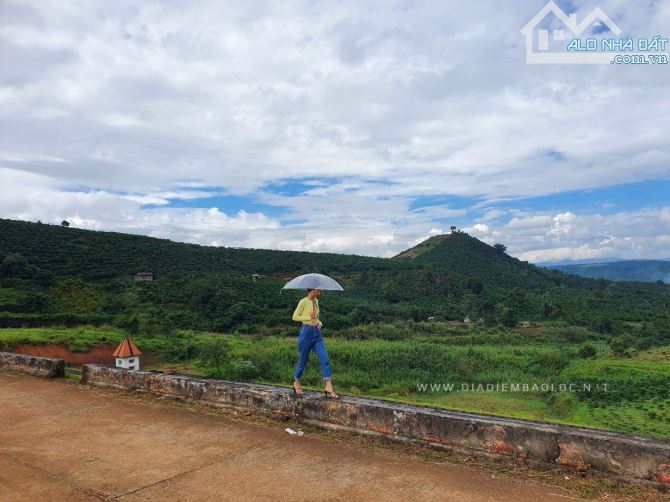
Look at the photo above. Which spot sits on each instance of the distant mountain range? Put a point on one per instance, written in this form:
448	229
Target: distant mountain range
620	270
602	259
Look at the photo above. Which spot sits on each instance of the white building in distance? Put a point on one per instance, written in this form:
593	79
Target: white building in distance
127	355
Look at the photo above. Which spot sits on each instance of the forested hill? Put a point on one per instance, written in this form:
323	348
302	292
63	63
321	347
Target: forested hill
53	274
461	253
96	255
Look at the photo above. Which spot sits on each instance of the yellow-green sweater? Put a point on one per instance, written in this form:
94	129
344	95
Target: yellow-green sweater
303	312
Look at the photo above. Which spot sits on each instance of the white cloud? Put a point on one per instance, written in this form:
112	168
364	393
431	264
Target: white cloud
562	224
566	253
529	222
106	106
664	216
629	234
493	214
431	233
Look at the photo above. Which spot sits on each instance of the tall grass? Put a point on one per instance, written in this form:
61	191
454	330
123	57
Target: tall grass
637	397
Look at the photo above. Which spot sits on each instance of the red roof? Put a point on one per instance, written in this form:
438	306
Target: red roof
126	349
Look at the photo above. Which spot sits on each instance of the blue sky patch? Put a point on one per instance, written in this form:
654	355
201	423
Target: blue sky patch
607	200
229	204
296	186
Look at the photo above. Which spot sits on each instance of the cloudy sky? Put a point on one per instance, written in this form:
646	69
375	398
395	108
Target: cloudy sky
354	126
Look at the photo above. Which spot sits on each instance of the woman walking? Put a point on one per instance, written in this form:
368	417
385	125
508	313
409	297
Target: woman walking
310	338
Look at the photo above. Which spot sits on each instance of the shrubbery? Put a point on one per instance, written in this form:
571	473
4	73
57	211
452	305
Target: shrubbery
587	350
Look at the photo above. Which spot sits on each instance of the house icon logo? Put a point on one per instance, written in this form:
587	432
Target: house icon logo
551	20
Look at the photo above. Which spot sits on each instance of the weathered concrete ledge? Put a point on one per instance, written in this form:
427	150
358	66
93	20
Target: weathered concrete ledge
624	456
45	367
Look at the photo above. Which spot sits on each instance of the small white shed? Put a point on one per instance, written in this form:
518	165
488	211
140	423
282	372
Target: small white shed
127	355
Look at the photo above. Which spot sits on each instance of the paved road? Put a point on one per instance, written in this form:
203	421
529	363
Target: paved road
63	441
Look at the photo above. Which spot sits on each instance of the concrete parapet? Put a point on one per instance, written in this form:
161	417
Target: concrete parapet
45	367
624	456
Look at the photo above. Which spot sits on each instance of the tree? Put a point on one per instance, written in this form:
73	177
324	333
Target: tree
391	291
622	345
452	228
65	223
211	300
517	299
362	314
153	321
603	326
75	296
243	312
509	318
13	265
500	248
215	353
551	310
475	285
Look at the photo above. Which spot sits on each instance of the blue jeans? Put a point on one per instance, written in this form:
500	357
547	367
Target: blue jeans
308	339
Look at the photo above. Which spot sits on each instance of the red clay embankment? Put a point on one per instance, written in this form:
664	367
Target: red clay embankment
99	354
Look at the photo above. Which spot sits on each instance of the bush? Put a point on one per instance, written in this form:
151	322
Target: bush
179	350
563	404
79	346
587	351
622	345
646	343
603	326
394	331
616	380
550	362
151	321
74	295
244	369
242	328
574	334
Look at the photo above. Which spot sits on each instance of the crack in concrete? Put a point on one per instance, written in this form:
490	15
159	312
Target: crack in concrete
183	473
87	491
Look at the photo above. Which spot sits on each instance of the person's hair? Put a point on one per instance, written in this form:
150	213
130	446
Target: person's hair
310	289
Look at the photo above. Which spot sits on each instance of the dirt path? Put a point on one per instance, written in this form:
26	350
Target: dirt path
62	441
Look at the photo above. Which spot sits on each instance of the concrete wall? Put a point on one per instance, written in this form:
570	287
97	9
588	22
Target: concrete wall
45	367
625	456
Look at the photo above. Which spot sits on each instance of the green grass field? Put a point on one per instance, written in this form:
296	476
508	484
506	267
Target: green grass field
627	394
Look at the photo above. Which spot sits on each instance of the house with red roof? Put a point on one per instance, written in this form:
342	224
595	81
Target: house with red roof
127	355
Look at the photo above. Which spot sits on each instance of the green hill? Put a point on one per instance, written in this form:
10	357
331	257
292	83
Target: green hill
96	255
461	253
55	275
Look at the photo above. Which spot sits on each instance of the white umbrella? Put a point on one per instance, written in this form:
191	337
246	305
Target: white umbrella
313	281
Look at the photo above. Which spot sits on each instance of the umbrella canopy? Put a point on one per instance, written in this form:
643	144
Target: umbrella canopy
313	281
